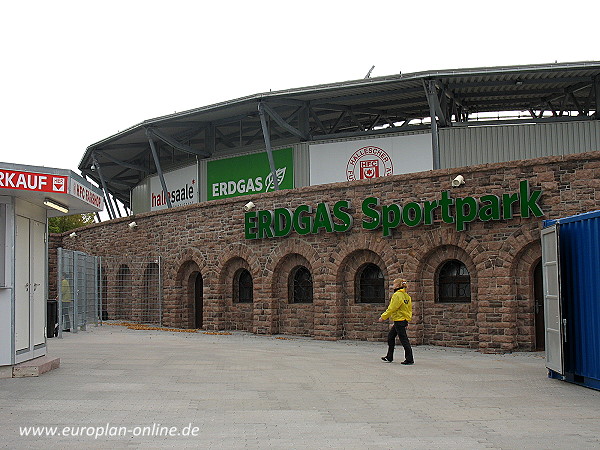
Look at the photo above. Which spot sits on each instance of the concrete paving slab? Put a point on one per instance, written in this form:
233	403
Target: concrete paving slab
148	389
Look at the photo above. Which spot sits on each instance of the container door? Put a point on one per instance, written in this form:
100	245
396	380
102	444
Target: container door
552	300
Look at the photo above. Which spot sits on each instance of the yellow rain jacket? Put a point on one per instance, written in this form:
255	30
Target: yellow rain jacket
400	307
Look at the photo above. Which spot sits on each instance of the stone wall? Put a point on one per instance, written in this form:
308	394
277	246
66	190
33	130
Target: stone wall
500	255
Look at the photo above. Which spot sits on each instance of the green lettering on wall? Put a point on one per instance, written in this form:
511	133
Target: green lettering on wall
250	231
390	218
342	215
445	204
466	211
265	224
412	214
507	201
369	211
429	208
282	222
302	219
322	219
529	201
489	208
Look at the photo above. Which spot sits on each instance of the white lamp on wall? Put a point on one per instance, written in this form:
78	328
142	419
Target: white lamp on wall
249	206
458	181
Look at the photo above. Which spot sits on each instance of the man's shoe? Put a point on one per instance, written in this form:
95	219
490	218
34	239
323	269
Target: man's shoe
407	363
386	359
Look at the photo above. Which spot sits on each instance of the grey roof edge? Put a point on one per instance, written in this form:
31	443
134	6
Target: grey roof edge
349	84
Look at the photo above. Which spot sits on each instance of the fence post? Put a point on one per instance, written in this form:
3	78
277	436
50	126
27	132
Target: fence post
59	257
160	291
76	295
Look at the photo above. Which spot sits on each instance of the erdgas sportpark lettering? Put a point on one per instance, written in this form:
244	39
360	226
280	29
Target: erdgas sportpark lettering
459	211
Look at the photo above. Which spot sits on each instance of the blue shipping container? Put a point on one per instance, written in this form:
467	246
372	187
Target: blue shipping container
579	249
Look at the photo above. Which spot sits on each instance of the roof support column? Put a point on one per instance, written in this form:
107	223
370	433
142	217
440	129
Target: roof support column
117	206
159	170
267	138
111	212
432	99
597	95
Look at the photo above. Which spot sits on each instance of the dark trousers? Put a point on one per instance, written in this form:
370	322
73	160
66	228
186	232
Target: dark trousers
399	329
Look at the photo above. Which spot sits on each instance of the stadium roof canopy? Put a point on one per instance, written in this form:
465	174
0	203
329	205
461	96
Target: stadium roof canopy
371	106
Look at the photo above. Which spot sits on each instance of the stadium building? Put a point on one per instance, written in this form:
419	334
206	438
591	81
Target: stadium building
291	212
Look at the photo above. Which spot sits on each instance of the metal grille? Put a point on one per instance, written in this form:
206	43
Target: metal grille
132	289
78	290
92	289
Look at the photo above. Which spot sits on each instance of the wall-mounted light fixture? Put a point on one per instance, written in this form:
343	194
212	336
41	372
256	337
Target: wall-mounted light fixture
132	225
56	205
249	206
458	181
73	234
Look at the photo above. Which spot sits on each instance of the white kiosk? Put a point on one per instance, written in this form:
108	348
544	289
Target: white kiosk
29	195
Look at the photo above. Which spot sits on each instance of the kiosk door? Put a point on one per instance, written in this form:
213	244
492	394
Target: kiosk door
30	288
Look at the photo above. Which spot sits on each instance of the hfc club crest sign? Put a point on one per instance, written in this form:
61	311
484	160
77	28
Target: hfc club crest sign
369	162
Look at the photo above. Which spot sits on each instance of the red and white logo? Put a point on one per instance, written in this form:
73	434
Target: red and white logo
369	162
369	169
58	184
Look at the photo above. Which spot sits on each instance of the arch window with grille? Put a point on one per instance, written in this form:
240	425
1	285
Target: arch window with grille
369	283
243	287
300	285
454	283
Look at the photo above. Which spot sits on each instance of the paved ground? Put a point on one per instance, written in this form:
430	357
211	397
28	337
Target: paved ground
245	391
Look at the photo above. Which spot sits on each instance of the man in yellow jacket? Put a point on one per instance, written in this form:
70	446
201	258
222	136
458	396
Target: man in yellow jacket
400	311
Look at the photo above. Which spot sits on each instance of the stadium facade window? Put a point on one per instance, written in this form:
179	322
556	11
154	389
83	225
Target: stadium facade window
243	287
454	283
370	284
300	285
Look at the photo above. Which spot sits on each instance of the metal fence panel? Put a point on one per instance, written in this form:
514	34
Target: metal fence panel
78	299
92	289
132	289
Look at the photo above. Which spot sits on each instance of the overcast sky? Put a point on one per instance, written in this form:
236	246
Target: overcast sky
76	72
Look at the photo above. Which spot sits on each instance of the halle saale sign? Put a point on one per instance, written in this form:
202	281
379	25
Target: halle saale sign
458	211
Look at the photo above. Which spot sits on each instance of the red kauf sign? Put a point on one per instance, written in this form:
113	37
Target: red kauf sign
31	181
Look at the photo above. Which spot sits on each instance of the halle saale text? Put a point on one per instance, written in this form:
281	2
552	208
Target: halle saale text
460	211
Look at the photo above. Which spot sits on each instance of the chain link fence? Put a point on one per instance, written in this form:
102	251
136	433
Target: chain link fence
92	289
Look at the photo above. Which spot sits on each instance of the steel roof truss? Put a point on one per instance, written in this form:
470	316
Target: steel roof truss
338	122
153	132
315	117
122	163
354	119
281	122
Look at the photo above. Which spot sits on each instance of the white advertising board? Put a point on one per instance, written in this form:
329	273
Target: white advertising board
87	195
182	185
370	158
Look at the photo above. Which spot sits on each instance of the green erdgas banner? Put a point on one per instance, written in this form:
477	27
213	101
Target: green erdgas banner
249	174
